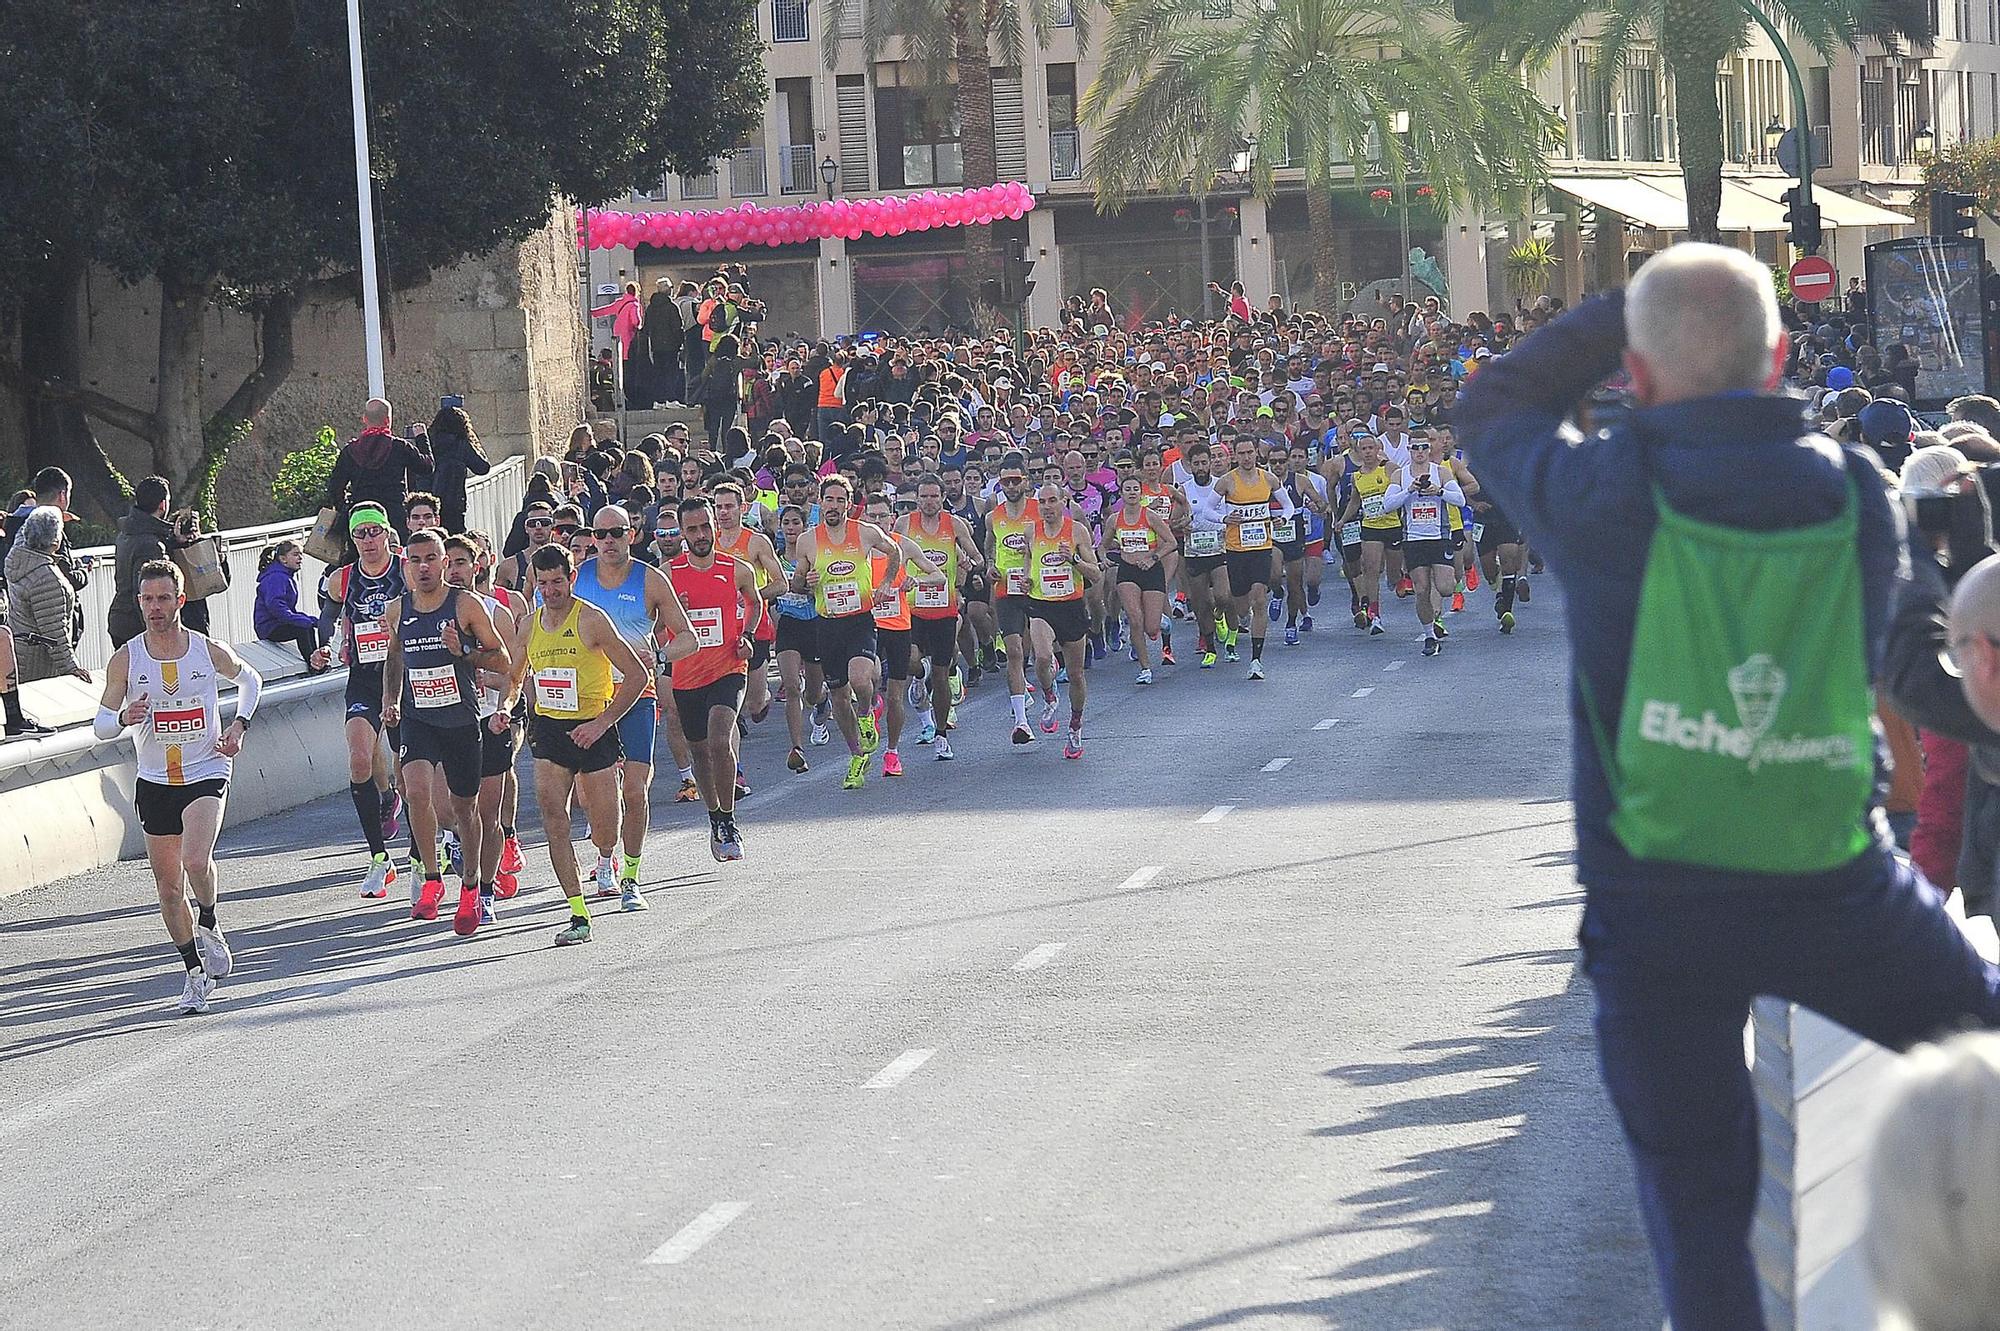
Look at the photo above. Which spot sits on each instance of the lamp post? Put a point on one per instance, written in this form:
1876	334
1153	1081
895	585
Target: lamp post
1924	139
829	171
1774	134
364	188
1399	125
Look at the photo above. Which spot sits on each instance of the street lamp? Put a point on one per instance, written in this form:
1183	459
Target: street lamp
829	171
364	189
1243	159
1773	134
1924	139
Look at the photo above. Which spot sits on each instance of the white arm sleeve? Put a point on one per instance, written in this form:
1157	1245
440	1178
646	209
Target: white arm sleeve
249	688
106	725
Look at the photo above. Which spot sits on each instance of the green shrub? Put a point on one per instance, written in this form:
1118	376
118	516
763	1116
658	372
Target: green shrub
300	487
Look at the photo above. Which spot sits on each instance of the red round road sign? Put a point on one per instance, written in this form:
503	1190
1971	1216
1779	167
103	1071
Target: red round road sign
1812	278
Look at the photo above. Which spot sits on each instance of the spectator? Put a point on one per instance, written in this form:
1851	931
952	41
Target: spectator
719	388
1933	1236
456	457
42	599
603	382
662	334
277	616
1978	409
144	535
376	467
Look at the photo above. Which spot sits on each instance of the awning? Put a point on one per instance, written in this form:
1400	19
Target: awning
1631	198
1835	208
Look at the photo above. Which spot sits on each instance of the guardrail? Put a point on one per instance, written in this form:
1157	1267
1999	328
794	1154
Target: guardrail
491	501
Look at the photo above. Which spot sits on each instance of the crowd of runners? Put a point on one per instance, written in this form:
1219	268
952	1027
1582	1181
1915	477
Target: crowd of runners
1020	516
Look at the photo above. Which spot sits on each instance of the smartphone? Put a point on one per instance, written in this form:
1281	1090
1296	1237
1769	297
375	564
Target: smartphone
452	400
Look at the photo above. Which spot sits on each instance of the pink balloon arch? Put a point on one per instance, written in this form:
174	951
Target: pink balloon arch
750	224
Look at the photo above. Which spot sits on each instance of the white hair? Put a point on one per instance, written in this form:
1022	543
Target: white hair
1933	1239
1929	468
1704	318
42	529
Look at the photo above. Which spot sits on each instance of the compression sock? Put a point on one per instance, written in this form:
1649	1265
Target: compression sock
628	867
189	957
368	807
204	915
1256	649
1020	704
578	910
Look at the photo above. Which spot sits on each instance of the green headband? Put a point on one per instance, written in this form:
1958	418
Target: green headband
365	513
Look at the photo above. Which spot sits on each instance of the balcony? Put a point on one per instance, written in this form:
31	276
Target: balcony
796	172
1065	155
746	173
703	186
788	21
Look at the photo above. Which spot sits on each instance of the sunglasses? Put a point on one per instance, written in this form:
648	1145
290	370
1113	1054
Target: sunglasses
539	522
610	533
369	533
566	532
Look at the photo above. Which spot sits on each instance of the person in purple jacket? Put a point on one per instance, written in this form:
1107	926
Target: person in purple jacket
277	615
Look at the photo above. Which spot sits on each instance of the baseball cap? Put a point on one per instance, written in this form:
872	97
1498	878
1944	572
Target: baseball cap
1886	421
1381	367
1266	411
1840	377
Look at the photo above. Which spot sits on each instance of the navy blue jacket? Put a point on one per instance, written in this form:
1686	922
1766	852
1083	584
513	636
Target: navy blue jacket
1741	460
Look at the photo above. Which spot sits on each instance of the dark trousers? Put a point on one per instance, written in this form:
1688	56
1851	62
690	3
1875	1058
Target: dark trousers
305	639
824	419
1674	978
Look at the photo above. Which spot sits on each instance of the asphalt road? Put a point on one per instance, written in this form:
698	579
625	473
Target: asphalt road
1265	1014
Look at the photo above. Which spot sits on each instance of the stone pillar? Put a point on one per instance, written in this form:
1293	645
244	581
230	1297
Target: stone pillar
1465	261
1253	250
1045	301
836	288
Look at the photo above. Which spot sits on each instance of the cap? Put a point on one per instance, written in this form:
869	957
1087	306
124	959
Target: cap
1484	353
366	513
1840	377
1886	421
1159	365
1266	411
1381	367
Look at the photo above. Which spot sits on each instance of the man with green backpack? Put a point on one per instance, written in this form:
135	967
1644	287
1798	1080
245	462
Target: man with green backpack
1728	575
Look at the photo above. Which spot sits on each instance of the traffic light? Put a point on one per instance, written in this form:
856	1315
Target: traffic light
1804	219
1019	267
1951	213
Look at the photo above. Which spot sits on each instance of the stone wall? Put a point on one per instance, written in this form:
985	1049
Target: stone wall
502	329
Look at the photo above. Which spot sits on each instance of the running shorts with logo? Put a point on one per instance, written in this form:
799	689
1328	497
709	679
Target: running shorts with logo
163	808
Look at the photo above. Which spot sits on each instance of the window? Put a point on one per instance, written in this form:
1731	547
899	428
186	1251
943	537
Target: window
917	136
1218	8
1065	146
703	186
1063	13
788	21
1641	108
1596	132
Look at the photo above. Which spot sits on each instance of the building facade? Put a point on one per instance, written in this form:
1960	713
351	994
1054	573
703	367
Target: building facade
863	129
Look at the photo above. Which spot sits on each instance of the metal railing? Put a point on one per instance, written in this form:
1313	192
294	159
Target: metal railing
1065	155
788	21
746	173
797	173
703	186
491	501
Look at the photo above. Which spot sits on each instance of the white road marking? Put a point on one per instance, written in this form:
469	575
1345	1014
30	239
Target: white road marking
1328	724
1393	665
1362	692
1277	765
1039	957
1217	814
906	1063
695	1233
1141	876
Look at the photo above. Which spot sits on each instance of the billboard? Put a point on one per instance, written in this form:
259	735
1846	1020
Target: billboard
1924	293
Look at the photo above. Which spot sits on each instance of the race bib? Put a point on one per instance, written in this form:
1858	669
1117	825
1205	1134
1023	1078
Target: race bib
434	686
1134	540
555	689
1425	515
1058	581
180	723
1372	507
1017	582
1478	531
1285	530
1350	533
843	598
931	596
371	643
1201	544
1253	533
707	625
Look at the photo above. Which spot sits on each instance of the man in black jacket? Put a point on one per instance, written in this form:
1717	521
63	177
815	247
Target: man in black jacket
376	467
144	535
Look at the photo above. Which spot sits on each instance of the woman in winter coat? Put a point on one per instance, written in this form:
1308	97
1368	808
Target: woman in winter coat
276	615
41	600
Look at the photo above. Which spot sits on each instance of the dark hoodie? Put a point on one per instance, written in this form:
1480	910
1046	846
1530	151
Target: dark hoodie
377	467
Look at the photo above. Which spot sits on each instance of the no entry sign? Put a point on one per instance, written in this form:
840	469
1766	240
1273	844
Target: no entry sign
1812	279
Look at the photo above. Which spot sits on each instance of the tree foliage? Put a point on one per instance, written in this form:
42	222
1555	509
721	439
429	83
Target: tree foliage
1972	167
208	144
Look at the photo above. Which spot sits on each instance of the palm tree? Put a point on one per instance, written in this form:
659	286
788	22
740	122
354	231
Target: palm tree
1384	83
958	36
1694	37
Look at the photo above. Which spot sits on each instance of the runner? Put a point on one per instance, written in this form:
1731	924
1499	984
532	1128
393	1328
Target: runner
724	604
799	676
1007	551
1419	495
359	595
1381	527
755	549
440	635
1138	539
893	638
1256	499
640	603
1169	502
162	684
568	653
1202	571
951	547
1292	538
469	564
1503	552
1061	563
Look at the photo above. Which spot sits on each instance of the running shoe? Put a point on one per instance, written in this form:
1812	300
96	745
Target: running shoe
392	815
428	896
194	994
1457	602
465	919
796	760
892	763
1023	735
1062	674
857	772
606	875
742	785
1256	670
1277	608
1521	590
450	854
1535	563
730	847
1049	717
1208	660
1375	629
1507	621
943	751
1166	656
1312	597
927	733
820	735
960	683
487	914
1292	637
1229	653
1074	747
510	856
577	932
1406	587
506	885
380	875
1442	631
1361	619
28	727
1305	623
213	949
871	738
919	694
688	793
1472	576
1114	634
1432	646
1145	677
628	895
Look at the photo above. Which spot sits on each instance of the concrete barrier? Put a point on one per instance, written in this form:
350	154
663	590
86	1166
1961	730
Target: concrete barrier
1821	1090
